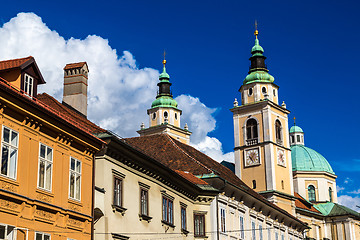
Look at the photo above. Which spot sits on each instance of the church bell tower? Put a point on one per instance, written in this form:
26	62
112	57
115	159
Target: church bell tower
164	114
262	149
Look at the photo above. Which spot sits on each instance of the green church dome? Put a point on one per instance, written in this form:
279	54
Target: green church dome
294	129
307	159
164	101
258	76
257	50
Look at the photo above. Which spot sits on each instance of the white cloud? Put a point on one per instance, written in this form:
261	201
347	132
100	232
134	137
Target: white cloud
355	192
347	180
119	92
350	202
339	189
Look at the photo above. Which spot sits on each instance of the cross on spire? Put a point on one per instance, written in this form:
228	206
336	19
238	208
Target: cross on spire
164	61
256	33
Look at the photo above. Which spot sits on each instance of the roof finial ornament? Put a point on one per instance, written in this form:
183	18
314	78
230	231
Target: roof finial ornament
256	33
294	121
164	61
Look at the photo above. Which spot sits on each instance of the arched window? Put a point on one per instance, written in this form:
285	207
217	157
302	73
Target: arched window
330	194
311	193
251	132
278	132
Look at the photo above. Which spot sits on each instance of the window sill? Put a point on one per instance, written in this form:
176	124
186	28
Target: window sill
168	224
75	201
184	231
145	217
44	191
9	179
201	236
119	209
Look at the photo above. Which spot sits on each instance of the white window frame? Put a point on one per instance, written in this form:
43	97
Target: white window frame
42	235
223	220
253	230
241	223
6	229
76	173
47	162
10	147
28	84
260	232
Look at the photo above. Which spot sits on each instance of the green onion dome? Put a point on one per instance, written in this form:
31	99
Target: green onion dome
307	159
258	76
164	101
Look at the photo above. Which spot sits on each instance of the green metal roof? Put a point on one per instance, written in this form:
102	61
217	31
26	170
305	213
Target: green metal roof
164	77
334	209
164	101
257	50
294	129
258	76
307	159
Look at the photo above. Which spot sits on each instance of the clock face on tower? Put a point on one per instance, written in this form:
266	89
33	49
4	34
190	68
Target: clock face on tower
252	157
281	158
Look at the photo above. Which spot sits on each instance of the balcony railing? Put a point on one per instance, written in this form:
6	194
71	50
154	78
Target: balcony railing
250	142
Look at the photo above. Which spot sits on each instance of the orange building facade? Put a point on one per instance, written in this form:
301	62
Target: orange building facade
46	168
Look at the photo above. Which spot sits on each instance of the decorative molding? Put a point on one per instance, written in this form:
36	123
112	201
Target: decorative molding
8	204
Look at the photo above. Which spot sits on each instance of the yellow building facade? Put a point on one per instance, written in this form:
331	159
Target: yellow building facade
46	162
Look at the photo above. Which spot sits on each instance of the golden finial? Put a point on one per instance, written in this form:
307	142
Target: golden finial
294	121
256	33
164	61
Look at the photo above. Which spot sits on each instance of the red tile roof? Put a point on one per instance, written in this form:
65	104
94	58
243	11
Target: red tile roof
302	203
74	65
182	157
80	120
190	177
14	63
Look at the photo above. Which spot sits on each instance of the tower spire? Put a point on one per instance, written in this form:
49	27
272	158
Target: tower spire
256	33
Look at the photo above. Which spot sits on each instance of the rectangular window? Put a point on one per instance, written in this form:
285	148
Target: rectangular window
260	232
75	179
144	201
28	85
183	218
42	236
222	220
7	232
269	232
167	208
9	152
253	230
242	233
199	225
45	167
117	191
276	235
282	237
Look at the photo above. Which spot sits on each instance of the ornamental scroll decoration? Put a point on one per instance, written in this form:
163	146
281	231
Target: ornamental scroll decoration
75	223
44	214
8	205
8	186
43	197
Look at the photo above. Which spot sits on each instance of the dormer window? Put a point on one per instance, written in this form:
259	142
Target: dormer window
28	85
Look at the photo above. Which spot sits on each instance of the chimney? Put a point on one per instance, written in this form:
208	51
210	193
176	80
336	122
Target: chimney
75	86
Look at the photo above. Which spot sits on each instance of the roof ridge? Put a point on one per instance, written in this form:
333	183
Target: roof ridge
188	155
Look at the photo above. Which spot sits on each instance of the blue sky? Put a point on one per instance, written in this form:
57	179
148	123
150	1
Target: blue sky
311	49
